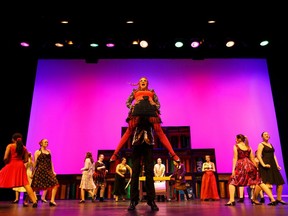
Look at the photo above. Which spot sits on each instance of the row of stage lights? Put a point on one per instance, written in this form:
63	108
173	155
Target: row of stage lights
194	43
145	44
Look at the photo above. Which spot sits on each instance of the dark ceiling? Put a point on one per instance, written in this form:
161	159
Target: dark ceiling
159	25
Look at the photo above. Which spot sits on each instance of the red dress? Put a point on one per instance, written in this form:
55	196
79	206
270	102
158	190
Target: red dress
209	188
14	173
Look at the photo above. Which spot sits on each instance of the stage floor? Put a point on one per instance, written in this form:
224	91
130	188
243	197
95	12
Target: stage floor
173	208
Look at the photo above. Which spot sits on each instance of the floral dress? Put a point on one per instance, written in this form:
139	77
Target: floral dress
87	182
246	172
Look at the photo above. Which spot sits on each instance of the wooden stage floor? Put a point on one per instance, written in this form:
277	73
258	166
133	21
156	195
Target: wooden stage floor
172	208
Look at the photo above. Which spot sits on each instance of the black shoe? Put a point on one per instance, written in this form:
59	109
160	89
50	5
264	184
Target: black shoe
25	204
132	205
101	199
35	205
230	204
273	203
15	201
281	202
240	200
153	205
262	200
52	204
93	198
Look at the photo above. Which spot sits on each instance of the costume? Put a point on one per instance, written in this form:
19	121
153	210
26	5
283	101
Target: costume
142	154
159	170
270	175
99	177
43	177
87	182
180	181
209	188
246	172
143	112
14	173
120	182
29	170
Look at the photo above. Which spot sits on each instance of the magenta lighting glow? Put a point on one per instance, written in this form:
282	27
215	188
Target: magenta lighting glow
80	107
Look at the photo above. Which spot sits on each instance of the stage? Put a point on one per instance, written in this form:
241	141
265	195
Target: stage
172	208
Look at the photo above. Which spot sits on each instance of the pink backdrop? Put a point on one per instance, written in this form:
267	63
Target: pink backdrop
80	107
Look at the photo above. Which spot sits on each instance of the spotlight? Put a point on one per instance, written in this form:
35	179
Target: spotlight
24	44
195	44
179	44
94	45
264	43
230	43
110	45
144	44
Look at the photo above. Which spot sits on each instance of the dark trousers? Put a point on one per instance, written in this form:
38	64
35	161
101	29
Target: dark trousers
142	153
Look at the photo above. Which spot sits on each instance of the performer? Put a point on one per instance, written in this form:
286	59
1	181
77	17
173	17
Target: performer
14	173
29	168
159	171
87	184
269	168
146	107
209	188
252	187
44	177
180	181
159	168
120	183
142	156
100	177
245	173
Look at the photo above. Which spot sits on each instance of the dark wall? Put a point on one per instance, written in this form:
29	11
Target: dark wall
277	65
16	85
17	81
